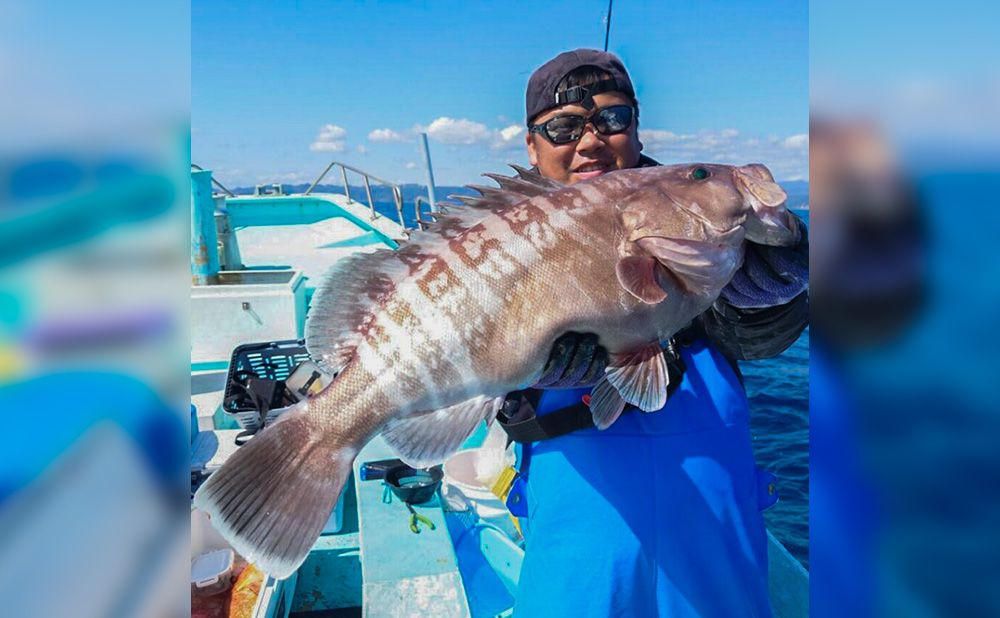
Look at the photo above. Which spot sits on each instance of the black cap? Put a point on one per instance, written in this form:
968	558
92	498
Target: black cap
542	95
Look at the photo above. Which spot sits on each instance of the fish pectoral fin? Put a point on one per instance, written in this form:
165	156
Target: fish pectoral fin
640	377
606	404
429	438
272	497
637	274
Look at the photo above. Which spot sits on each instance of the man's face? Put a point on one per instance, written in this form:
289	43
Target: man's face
594	154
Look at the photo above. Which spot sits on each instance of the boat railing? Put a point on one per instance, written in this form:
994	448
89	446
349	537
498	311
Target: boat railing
421	222
397	193
215	182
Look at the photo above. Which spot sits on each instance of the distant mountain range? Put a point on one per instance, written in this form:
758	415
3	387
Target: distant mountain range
797	190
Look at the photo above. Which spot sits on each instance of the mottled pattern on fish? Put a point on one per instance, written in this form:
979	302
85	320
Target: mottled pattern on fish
480	308
429	339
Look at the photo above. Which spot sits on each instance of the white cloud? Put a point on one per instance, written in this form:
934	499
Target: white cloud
508	138
457	131
799	140
656	137
330	139
385	135
410	165
362	149
786	157
511	132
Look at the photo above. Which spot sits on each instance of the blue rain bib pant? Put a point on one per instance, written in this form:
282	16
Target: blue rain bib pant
659	515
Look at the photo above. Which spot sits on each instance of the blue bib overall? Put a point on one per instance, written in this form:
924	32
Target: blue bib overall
658	515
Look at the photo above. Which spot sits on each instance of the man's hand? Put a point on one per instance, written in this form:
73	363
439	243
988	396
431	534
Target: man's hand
576	360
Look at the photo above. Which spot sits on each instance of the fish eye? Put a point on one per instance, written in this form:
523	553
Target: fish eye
700	173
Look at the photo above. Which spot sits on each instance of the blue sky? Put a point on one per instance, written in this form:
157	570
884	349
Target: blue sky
279	89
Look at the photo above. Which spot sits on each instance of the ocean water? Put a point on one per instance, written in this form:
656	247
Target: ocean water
778	390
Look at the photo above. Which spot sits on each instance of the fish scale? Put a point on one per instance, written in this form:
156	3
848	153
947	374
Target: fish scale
428	340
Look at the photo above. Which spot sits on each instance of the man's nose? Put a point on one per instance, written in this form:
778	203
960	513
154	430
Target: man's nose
590	140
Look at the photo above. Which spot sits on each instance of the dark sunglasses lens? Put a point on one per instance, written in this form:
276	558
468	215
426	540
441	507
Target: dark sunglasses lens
615	119
564	129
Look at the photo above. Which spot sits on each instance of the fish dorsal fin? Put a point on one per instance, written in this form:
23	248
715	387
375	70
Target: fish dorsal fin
537	179
640	377
513	189
449	222
345	302
428	439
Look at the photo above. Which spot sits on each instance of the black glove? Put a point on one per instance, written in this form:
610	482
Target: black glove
752	334
576	360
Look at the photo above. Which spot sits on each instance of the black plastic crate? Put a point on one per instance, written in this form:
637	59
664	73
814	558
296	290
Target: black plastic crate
273	360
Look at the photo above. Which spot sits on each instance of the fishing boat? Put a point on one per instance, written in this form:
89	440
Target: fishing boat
256	261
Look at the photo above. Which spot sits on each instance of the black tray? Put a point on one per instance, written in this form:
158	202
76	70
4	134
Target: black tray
272	360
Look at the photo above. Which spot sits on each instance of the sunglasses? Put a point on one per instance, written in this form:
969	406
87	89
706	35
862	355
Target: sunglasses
567	129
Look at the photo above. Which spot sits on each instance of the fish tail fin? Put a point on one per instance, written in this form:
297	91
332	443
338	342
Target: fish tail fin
273	496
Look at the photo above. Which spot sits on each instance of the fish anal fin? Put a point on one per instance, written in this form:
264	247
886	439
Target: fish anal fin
429	438
272	497
640	377
637	274
606	404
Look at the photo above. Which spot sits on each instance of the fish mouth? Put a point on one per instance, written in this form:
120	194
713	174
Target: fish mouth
773	226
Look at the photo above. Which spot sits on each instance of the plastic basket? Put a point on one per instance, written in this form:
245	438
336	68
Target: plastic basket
274	360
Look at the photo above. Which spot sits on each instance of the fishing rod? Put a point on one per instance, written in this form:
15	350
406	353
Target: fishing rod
607	30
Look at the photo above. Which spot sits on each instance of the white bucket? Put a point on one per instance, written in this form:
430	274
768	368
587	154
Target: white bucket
460	482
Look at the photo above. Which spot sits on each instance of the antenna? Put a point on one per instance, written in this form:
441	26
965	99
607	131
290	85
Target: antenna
607	31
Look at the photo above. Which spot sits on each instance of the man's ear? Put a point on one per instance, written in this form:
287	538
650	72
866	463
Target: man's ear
532	153
637	140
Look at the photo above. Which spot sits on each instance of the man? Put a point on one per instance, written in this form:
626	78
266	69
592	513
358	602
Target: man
660	514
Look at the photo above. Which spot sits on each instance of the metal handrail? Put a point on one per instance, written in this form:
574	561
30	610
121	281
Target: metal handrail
421	222
214	181
397	193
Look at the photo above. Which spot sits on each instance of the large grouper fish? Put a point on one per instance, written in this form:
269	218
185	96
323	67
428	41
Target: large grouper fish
426	341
